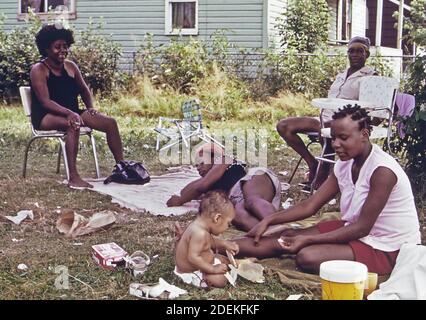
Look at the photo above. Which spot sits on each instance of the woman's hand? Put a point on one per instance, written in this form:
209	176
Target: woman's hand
74	120
293	244
258	230
174	201
231	246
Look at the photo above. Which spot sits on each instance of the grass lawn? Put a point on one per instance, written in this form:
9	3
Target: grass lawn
39	245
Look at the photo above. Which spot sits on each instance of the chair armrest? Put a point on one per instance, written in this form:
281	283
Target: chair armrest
167	119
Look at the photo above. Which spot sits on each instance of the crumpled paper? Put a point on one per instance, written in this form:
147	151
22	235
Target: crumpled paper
21	216
161	290
249	270
73	224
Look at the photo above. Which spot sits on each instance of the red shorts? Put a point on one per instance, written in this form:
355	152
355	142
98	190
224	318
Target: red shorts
377	261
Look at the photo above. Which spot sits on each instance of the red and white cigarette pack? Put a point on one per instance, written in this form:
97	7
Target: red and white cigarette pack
108	255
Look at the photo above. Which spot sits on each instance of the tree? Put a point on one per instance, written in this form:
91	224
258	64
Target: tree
303	25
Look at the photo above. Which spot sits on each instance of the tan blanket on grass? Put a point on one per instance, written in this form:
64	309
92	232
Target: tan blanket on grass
151	197
285	266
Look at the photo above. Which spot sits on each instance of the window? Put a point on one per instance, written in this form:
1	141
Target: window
181	17
44	8
347	20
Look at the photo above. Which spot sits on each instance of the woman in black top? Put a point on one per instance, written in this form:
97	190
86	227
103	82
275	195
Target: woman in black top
255	193
56	84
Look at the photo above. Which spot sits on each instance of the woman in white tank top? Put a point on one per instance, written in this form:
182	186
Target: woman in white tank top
377	207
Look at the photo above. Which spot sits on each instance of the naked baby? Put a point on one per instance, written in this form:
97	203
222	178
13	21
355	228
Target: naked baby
195	257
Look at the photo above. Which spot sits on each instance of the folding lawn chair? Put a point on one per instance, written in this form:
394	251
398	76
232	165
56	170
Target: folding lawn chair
25	93
182	130
381	92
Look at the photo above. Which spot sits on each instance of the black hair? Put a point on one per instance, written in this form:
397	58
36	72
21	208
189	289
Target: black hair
356	113
214	202
49	34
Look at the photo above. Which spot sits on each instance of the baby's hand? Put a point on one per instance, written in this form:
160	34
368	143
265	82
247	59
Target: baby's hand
220	269
231	247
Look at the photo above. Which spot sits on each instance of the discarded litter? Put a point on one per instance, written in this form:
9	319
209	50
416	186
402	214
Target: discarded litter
138	263
287	204
22	267
73	224
17	240
108	255
249	270
285	186
162	290
294	297
284	173
332	202
21	216
231	259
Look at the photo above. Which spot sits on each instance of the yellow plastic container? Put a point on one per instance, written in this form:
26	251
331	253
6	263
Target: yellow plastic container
371	283
343	280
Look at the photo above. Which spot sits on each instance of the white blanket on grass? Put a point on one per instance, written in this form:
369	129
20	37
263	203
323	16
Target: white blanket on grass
151	197
408	278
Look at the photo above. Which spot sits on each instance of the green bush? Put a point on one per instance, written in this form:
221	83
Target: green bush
18	53
145	63
413	145
98	58
183	63
310	74
380	64
96	55
303	25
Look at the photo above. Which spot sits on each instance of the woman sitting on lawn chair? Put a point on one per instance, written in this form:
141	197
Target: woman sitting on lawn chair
56	84
255	193
377	207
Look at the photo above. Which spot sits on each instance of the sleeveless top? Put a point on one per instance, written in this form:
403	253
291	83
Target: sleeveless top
63	89
398	222
233	173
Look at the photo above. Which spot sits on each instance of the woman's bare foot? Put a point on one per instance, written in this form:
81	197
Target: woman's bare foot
77	182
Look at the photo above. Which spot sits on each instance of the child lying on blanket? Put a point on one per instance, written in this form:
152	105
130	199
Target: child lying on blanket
196	263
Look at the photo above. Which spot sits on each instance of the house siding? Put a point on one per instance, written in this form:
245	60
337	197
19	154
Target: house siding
10	9
128	21
275	8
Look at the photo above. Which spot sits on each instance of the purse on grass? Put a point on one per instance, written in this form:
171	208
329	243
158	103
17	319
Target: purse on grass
129	172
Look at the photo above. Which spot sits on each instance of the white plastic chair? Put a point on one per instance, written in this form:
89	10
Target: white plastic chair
380	91
25	93
182	130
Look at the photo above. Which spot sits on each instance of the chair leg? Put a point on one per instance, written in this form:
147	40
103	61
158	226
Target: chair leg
64	153
295	169
24	169
95	156
321	159
58	166
157	144
299	161
214	140
169	145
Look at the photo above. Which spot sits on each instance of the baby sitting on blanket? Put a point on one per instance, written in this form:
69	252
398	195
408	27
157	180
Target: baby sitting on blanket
196	262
